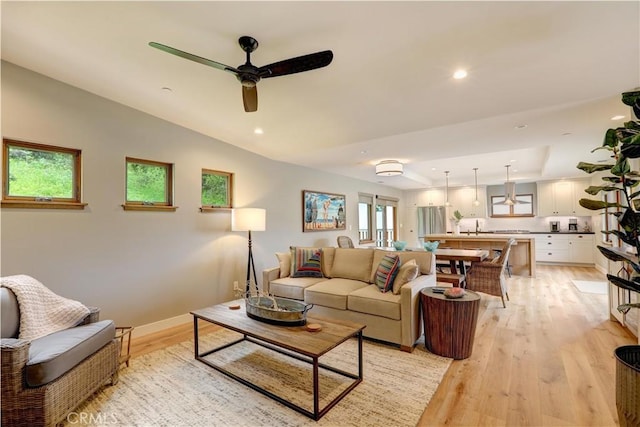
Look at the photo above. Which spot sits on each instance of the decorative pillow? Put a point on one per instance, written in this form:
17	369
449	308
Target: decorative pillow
406	273
386	273
284	261
306	262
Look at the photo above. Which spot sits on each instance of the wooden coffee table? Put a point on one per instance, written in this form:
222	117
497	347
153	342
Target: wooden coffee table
293	341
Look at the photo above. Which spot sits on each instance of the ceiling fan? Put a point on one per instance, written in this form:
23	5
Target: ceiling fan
249	75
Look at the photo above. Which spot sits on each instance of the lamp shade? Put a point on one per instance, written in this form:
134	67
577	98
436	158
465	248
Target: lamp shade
389	168
248	219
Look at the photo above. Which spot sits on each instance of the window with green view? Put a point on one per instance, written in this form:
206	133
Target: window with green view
36	172
216	189
149	182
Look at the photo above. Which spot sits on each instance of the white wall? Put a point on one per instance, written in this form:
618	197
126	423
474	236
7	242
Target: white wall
142	267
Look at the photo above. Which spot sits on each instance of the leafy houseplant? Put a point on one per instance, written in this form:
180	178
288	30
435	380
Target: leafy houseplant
624	144
457	216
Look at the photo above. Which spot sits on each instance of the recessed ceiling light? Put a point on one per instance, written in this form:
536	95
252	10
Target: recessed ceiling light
522	126
460	74
363	152
618	117
167	89
258	131
513	160
434	169
566	134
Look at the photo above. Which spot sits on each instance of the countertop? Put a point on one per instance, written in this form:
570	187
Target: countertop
489	234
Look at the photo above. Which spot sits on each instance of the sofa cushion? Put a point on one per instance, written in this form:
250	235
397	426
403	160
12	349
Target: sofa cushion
332	293
288	287
306	262
352	263
53	355
328	254
284	262
10	312
370	300
425	260
406	273
386	273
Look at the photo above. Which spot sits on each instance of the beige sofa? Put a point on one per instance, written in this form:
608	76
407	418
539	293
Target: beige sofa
347	290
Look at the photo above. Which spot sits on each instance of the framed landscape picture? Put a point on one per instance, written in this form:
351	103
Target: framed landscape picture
323	211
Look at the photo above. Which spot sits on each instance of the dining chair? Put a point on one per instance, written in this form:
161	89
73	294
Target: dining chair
489	276
345	242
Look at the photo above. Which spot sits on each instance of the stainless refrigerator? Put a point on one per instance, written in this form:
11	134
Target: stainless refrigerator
431	220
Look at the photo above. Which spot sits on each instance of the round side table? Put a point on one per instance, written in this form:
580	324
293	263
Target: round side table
449	323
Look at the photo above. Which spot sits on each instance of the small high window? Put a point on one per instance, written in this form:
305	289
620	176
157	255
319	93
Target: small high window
149	185
40	176
217	189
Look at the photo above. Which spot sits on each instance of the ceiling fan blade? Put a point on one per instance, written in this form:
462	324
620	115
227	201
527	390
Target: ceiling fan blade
250	98
296	65
195	58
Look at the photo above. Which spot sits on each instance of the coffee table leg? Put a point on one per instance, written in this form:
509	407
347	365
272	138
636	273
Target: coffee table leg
316	390
360	355
195	335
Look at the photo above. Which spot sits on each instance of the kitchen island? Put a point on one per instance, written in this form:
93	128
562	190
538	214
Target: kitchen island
521	258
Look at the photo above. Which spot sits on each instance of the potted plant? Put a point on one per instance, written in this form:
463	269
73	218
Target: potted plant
457	216
624	144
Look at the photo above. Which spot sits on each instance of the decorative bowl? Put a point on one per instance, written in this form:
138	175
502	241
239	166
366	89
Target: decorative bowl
431	246
399	245
278	311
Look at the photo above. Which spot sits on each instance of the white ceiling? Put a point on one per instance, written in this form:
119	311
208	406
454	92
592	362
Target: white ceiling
556	67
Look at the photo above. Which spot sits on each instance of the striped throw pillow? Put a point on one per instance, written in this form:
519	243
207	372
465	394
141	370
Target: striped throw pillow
306	262
386	272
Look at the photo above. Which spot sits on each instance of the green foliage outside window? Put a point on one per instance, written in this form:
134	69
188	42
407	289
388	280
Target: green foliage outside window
37	173
216	188
147	182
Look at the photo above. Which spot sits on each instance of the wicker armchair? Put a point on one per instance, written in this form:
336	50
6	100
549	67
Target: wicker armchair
345	242
489	276
48	404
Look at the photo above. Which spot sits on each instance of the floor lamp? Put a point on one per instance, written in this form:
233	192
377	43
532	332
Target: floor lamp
249	219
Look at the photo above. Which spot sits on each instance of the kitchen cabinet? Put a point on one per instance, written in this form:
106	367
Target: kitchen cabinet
581	248
552	247
565	248
560	198
432	197
462	199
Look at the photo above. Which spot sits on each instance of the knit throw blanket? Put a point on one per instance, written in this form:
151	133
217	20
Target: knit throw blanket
41	311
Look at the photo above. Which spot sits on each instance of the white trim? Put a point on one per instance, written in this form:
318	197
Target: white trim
601	269
161	325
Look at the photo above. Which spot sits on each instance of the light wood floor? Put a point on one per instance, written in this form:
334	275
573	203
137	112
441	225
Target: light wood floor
545	360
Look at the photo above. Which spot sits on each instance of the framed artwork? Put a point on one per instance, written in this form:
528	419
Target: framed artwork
323	211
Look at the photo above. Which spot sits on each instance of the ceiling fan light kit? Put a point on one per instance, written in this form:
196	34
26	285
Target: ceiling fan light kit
248	74
389	168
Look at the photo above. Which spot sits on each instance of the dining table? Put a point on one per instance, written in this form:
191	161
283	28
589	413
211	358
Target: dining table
460	256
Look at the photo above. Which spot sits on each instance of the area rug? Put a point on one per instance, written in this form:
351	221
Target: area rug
591	287
170	388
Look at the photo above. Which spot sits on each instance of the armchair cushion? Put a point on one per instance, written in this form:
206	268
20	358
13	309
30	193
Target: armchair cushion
53	355
10	321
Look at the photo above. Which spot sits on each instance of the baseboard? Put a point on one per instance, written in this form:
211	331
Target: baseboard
161	325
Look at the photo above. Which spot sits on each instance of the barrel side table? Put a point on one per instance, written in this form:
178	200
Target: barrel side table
449	324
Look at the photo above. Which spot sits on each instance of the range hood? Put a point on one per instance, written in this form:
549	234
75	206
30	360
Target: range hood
510	197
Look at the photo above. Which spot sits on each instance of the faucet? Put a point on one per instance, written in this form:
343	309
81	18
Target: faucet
477	227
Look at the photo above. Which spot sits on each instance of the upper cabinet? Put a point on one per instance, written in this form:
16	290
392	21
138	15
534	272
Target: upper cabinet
462	199
560	198
432	197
